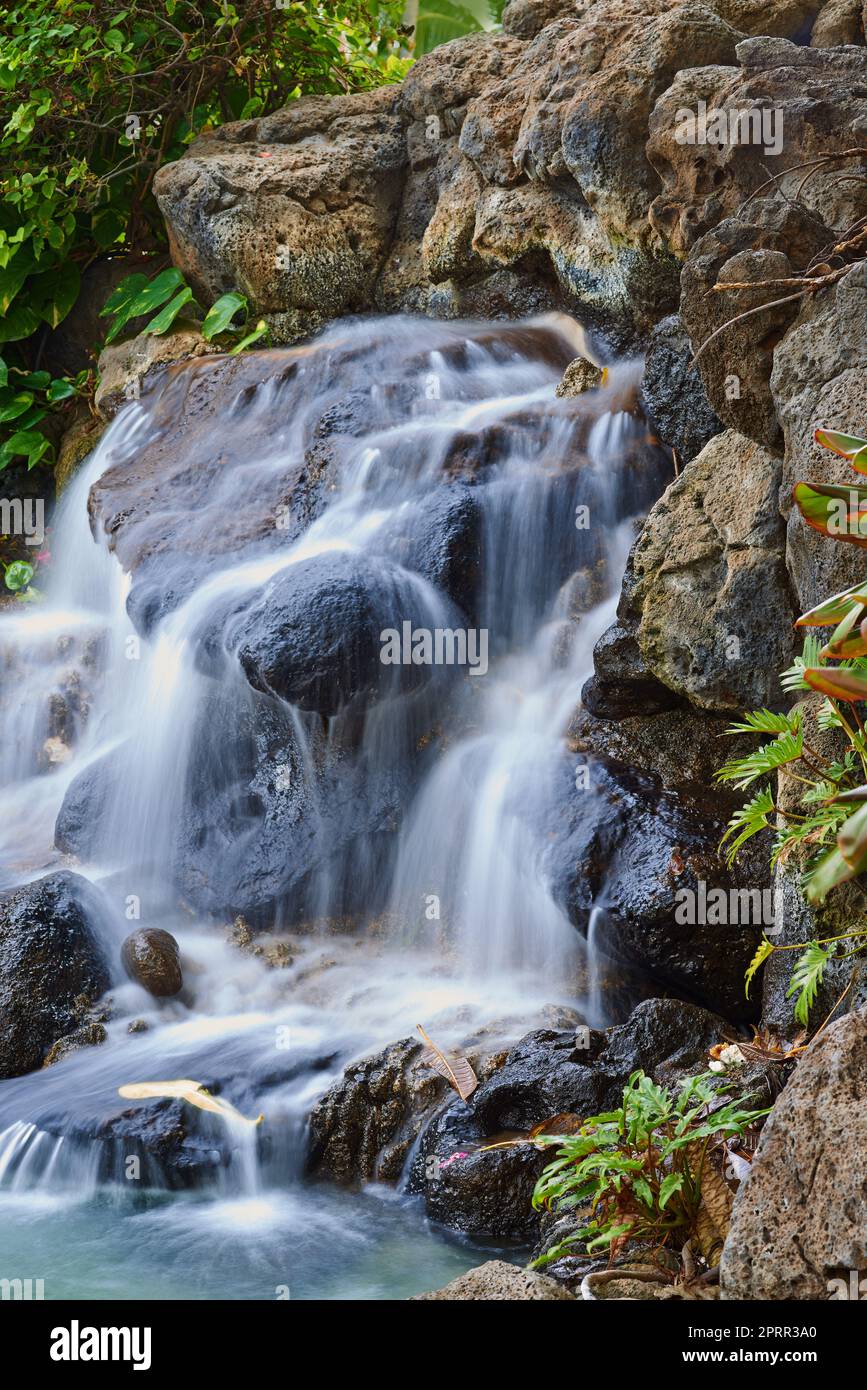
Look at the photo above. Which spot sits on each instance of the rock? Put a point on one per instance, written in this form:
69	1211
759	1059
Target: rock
80	438
496	1280
679	747
477	1190
838	22
580	376
621	851
441	539
709	210
294	210
711	544
366	1124
124	367
736	369
621	684
91	1035
51	966
800	1218
819	378
815	95
315	635
151	957
674	395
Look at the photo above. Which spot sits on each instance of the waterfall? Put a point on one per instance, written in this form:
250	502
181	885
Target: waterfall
387	836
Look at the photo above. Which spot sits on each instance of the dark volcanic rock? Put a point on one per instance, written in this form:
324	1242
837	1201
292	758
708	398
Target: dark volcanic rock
621	850
151	957
674	394
51	966
474	1189
315	635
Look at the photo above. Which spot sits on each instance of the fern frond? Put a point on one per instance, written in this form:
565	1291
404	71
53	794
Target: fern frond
793	678
787	748
749	820
806	978
765	721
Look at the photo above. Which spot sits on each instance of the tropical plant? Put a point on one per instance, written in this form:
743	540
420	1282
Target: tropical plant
642	1171
165	296
94	96
437	21
831	834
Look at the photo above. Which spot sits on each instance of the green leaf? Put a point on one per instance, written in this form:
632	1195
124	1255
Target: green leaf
258	332
765	721
220	315
670	1184
166	317
124	293
18	575
18	323
846	445
60	390
787	748
832	610
748	821
16	406
765	950
834	511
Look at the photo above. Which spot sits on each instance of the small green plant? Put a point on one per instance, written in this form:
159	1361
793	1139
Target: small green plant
831	834
639	1170
165	295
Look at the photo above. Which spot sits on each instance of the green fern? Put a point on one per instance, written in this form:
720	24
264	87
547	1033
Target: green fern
806	977
741	772
765	721
793	678
747	821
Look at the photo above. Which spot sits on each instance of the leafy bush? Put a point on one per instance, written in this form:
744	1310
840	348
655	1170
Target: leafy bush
640	1169
832	835
95	96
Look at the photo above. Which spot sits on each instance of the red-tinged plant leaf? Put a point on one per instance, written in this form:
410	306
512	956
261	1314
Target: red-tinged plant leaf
855	794
832	871
837	512
852	840
846	445
836	683
859	460
843	644
834	608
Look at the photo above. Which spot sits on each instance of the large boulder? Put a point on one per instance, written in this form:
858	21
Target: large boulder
710	586
737	218
295	209
315	635
799	1225
640	867
52	966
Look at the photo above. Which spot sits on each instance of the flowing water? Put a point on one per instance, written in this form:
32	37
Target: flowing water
446	919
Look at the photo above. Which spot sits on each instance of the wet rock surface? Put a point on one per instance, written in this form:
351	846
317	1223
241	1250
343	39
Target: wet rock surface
52	966
151	957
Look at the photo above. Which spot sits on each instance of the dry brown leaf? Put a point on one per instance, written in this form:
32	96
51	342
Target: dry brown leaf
457	1071
192	1091
564	1123
715	1212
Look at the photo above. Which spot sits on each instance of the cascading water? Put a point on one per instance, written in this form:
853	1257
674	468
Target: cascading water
373	815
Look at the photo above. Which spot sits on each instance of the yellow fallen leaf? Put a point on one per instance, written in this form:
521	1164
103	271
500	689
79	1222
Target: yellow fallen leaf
192	1091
